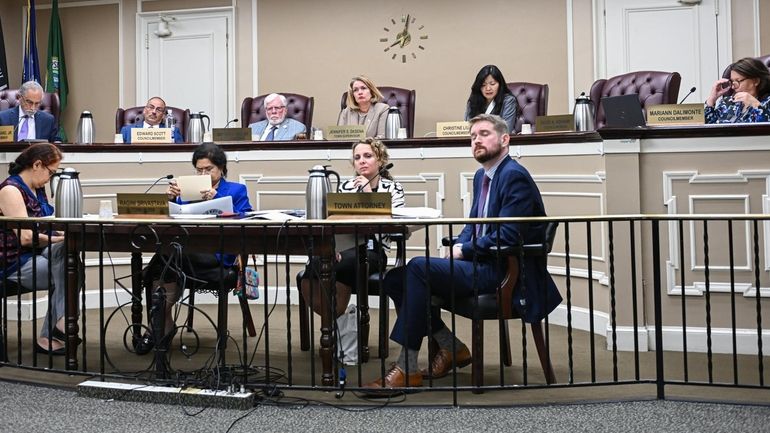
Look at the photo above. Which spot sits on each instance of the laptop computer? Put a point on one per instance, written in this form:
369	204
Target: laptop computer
623	111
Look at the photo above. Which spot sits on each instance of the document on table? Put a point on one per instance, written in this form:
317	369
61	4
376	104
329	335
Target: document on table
415	212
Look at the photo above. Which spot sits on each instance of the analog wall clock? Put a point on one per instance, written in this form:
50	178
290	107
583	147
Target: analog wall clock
404	38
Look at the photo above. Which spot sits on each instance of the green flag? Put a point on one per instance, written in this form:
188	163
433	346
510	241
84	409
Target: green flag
56	70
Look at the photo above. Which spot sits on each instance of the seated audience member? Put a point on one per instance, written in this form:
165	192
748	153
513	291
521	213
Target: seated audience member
750	101
210	159
511	192
28	121
277	126
368	157
491	95
22	194
364	107
153	116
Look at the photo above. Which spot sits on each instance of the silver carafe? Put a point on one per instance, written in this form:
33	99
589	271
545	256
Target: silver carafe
583	113
69	195
392	123
318	185
85	133
196	129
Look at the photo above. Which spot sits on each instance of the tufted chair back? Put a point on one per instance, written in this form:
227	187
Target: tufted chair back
49	103
396	97
653	88
129	116
298	107
532	99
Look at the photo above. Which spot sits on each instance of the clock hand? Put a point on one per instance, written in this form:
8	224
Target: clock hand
399	39
405	41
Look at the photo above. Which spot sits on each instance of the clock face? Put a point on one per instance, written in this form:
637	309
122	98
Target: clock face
404	38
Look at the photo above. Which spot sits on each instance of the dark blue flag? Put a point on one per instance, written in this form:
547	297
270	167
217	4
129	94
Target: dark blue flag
31	65
3	63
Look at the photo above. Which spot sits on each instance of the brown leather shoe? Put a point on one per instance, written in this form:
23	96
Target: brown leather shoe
395	378
442	362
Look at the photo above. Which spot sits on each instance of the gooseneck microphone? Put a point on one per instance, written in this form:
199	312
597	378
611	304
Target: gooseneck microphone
229	122
685	96
379	173
168	176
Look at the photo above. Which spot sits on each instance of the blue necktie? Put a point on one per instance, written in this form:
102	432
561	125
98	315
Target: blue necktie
24	130
482	203
271	134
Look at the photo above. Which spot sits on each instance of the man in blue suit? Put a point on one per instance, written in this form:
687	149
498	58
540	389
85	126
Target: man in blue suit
277	126
28	121
501	188
153	116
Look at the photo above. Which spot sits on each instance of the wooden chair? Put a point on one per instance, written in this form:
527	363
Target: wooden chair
372	287
499	306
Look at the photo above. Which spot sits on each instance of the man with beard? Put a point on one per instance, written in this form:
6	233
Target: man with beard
29	122
501	188
153	116
277	126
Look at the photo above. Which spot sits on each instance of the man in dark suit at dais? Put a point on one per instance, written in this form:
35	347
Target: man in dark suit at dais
29	123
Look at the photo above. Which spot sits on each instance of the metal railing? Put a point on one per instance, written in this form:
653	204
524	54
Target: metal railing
664	300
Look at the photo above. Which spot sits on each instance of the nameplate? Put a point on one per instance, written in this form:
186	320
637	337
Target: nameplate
676	114
151	135
361	203
6	134
231	134
142	204
347	132
557	123
453	129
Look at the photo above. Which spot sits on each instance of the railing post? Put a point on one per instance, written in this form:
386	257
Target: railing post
656	287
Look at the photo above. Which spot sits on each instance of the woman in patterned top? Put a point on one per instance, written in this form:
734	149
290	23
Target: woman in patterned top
744	98
22	195
369	157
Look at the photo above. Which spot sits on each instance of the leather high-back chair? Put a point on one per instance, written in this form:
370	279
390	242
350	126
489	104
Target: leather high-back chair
653	88
404	99
129	116
532	99
49	103
298	107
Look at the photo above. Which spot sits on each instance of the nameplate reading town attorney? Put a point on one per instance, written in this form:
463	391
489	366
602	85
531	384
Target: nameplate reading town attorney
676	114
231	134
358	204
347	132
558	123
453	129
6	134
142	204
151	135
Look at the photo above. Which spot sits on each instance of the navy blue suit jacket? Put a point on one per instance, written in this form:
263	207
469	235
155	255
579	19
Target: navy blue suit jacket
513	193
45	124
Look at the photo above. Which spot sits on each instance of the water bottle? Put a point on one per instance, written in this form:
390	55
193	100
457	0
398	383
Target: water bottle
170	120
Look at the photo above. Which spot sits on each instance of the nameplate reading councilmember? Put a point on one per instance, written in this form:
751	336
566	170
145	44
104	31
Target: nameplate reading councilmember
453	129
151	135
676	114
556	123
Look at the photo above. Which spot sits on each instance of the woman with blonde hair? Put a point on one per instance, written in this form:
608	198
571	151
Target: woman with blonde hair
364	107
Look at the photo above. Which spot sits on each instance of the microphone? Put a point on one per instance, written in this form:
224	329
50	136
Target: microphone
229	122
685	96
168	176
379	173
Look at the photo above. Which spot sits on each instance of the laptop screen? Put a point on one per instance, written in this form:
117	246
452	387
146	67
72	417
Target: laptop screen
623	111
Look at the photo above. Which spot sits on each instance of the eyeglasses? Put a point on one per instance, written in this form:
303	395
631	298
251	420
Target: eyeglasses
158	110
275	108
50	172
205	170
31	102
737	83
